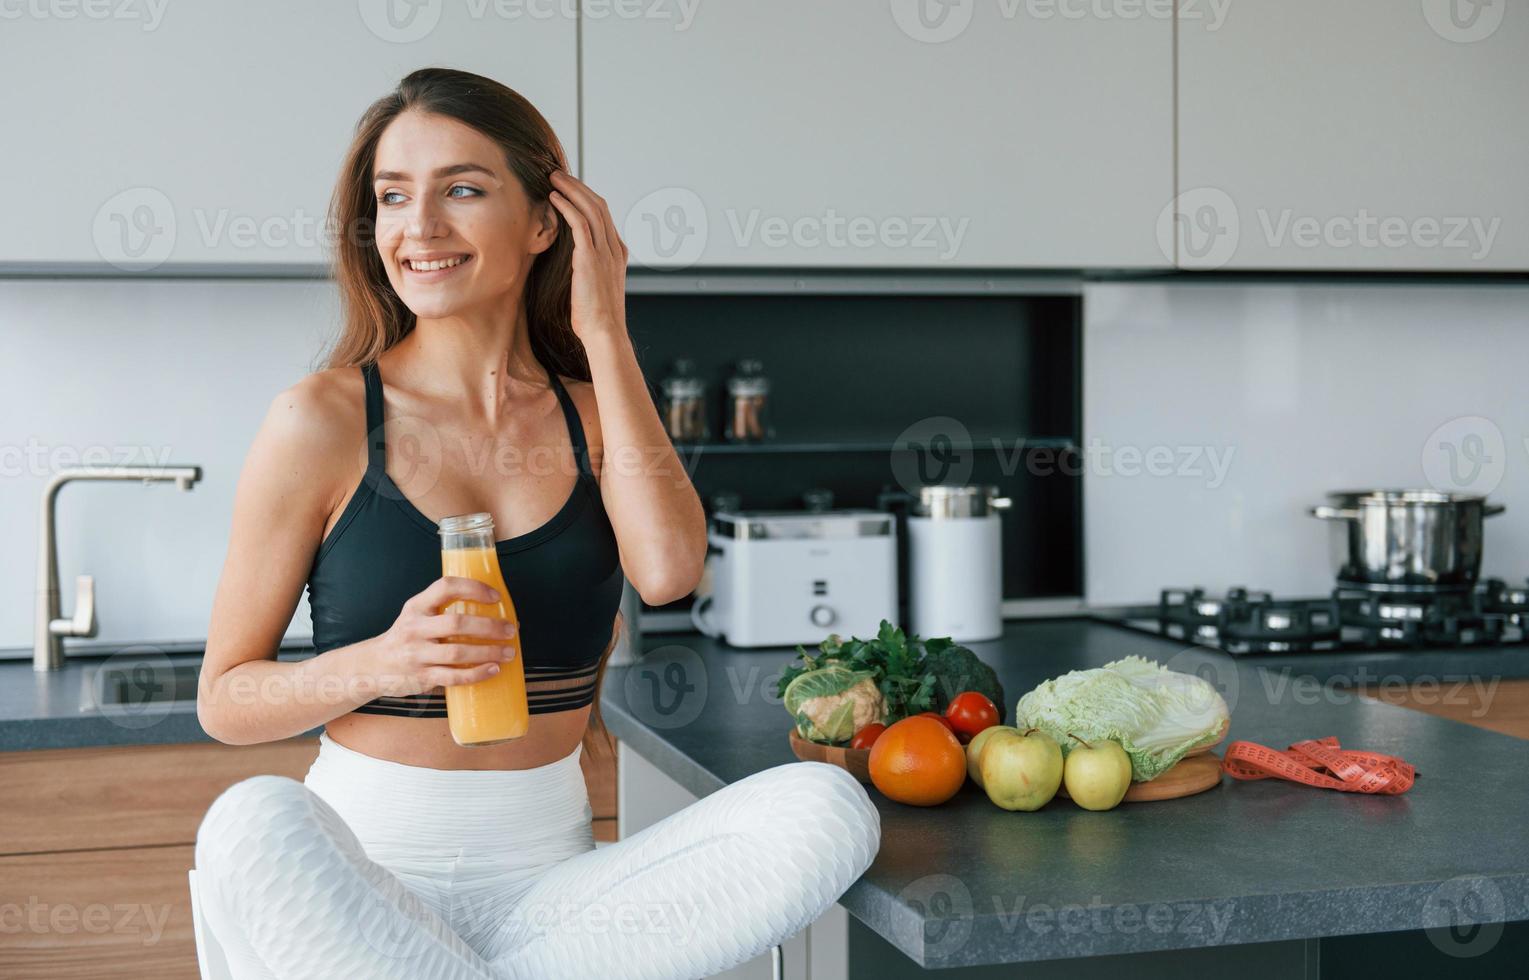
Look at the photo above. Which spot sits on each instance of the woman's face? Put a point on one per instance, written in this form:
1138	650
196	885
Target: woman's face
445	194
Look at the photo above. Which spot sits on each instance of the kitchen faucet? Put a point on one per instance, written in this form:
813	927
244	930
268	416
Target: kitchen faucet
49	630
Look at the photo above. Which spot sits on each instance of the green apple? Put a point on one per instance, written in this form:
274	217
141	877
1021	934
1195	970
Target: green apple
974	749
1021	770
1097	774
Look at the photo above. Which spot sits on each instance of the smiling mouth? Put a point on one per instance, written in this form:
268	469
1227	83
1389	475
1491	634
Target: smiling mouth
436	265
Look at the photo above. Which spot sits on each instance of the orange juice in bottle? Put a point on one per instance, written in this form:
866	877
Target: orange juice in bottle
492	710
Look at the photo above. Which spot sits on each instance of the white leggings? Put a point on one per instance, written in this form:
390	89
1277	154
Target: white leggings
375	869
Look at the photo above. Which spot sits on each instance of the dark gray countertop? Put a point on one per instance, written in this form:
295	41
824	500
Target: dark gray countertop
967	883
60	710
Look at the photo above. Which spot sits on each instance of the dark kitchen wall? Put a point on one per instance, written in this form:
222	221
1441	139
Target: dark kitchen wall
876	393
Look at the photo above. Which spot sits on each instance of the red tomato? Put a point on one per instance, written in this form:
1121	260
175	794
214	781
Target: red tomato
941	719
969	713
867	736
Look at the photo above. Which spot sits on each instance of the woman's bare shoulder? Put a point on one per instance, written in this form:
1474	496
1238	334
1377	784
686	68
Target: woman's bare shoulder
323	408
317	425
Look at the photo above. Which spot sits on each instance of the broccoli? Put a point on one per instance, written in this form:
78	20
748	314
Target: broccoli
956	669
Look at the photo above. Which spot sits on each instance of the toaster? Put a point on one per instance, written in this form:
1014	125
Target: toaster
780	578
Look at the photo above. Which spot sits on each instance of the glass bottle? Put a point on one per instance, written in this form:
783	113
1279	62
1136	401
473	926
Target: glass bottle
492	710
684	404
748	402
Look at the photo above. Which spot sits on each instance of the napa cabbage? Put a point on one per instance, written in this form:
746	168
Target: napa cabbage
1157	715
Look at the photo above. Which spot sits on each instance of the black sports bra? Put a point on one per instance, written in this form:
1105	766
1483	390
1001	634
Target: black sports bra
564	577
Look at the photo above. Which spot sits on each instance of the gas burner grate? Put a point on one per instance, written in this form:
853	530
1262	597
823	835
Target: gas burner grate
1246	621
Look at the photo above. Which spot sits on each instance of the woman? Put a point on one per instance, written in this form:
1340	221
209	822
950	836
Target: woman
483	366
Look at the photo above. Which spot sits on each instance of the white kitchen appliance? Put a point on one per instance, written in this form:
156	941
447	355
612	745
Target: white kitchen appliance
780	578
955	562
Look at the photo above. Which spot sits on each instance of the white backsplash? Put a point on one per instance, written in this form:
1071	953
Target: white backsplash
186	368
1310	388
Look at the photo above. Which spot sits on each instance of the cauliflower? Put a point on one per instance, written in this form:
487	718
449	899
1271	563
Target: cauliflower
832	703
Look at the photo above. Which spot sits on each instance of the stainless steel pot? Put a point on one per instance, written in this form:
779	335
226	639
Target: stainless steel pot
1407	540
957	501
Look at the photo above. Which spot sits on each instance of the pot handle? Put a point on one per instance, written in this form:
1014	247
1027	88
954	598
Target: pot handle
1324	512
1492	510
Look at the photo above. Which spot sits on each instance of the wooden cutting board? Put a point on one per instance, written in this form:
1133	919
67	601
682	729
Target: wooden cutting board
1193	774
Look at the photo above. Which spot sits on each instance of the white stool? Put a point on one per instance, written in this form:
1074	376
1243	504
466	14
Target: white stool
209	955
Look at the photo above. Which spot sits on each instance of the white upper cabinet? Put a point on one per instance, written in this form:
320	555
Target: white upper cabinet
1366	134
154	135
863	133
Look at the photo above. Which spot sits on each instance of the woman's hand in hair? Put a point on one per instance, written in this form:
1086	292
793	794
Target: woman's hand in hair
599	259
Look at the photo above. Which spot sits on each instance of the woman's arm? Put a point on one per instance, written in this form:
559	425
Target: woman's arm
653	507
287	489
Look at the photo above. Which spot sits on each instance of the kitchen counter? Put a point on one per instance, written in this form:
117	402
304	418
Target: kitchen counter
1249	862
967	883
61	710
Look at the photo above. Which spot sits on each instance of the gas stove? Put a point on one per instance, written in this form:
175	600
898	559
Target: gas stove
1244	621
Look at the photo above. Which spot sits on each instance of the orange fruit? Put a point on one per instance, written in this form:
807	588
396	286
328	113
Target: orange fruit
918	761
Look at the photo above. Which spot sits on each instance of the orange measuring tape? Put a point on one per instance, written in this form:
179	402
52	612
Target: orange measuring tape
1323	763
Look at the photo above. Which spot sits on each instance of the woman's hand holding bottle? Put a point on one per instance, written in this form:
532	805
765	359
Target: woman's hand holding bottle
411	657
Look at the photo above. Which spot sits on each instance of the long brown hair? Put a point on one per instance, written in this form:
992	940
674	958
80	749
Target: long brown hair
374	318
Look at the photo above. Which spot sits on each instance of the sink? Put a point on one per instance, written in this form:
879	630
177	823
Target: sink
137	685
145	683
141	684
